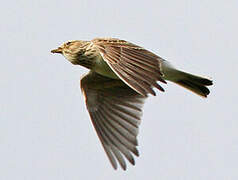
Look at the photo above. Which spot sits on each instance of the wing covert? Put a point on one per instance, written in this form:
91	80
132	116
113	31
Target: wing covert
137	67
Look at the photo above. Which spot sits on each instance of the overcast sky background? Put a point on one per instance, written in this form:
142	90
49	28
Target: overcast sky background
45	130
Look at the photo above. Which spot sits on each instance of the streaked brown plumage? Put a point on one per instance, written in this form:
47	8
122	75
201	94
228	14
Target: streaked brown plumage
114	61
115	110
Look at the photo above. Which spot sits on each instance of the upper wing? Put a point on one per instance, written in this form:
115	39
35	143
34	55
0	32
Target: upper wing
115	110
137	67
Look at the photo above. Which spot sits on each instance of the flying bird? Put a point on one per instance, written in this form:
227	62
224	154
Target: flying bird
121	76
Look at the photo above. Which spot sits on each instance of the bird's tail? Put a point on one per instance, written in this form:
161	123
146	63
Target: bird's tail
189	81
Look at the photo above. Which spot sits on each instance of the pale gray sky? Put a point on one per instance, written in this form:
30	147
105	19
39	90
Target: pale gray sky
45	130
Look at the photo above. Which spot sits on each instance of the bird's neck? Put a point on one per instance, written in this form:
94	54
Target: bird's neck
85	61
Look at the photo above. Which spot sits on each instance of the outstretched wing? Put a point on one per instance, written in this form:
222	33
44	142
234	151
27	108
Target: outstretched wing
137	67
115	110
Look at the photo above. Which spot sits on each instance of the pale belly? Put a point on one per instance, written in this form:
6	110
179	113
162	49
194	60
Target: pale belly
101	67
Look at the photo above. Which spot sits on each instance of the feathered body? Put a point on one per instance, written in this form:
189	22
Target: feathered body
121	76
137	67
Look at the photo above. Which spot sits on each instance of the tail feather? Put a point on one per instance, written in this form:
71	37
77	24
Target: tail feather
189	81
194	83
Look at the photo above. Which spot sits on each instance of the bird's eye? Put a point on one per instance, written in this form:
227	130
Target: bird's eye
68	43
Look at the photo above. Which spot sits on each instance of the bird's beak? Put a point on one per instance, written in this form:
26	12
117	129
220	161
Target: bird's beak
58	50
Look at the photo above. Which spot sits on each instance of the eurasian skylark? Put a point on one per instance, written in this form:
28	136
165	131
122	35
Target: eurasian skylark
122	75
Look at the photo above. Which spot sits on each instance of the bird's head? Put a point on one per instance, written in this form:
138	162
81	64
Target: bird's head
71	50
